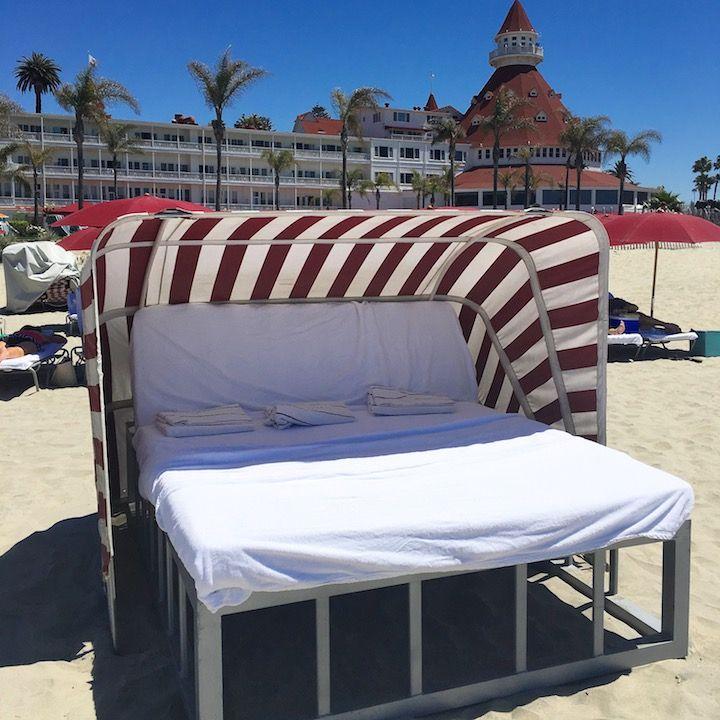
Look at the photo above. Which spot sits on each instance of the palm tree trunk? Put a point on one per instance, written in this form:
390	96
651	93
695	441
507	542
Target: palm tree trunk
38	100
452	175
527	183
496	167
36	198
79	133
507	194
218	156
621	209
567	184
418	200
115	169
377	198
344	148
578	168
277	190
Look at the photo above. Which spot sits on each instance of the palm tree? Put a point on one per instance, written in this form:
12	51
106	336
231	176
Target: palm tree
220	86
38	73
509	181
37	157
87	97
620	144
617	169
355	182
702	167
328	195
450	131
505	117
278	161
116	137
663	199
525	154
420	187
716	166
382	180
8	108
435	185
581	136
347	107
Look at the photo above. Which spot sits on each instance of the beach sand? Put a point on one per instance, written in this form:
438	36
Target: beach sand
56	659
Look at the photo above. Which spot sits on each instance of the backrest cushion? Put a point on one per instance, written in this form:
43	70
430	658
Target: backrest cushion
200	355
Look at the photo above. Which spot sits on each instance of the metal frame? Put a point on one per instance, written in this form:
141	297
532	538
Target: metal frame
60	356
660	638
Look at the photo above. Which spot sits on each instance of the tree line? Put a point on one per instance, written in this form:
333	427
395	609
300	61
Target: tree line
88	96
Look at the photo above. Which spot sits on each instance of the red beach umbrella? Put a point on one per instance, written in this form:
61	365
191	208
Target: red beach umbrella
103	214
648	229
81	240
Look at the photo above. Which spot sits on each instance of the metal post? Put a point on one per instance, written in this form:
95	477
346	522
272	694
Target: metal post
322	635
415	626
160	566
208	665
598	602
169	604
182	625
676	588
614	581
520	618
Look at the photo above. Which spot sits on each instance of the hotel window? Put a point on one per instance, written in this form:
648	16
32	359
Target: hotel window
544	152
487	154
406	178
63	162
460	155
401	117
432	119
376	117
502	152
184	168
436	154
331	148
409	153
541	117
261	143
236	141
383	151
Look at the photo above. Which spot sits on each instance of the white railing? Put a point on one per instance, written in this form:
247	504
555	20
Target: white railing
535	50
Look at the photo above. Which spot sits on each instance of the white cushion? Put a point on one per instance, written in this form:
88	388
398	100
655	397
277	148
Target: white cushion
27	361
199	355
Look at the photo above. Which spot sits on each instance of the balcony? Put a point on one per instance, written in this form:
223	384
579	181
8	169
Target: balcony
535	51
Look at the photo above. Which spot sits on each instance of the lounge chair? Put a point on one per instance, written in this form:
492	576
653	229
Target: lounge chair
49	355
653	336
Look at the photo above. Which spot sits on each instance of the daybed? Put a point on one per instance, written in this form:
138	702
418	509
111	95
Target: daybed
355	561
49	355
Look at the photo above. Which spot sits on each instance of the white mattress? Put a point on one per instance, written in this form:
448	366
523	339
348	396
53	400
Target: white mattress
625	339
387	496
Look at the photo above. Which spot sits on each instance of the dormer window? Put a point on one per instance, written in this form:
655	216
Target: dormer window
541	117
533	93
488	96
476	120
551	93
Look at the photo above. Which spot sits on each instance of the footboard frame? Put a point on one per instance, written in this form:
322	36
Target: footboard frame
200	663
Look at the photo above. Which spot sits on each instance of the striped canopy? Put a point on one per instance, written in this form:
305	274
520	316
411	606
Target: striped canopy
530	290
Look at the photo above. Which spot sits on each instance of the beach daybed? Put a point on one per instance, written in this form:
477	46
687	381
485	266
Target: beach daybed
652	336
337	557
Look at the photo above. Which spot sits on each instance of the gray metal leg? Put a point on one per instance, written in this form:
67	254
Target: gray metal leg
676	588
208	664
598	602
161	566
520	618
415	624
182	626
34	374
322	634
614	582
169	604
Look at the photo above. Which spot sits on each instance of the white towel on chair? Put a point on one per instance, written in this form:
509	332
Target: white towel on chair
393	401
208	421
307	414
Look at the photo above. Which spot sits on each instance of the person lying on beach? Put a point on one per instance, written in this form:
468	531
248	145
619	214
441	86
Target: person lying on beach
28	340
617	330
620	306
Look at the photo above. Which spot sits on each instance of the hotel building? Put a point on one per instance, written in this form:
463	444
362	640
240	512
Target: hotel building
177	159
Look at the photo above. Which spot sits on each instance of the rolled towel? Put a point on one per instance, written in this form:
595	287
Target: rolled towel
393	401
307	414
208	421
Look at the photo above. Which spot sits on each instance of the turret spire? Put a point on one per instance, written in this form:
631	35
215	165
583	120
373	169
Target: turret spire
517	40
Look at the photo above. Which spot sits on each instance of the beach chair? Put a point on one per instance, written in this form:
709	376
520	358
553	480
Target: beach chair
73	319
655	336
628	340
50	355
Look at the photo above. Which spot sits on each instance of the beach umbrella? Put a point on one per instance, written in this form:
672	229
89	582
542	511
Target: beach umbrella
81	240
104	213
658	229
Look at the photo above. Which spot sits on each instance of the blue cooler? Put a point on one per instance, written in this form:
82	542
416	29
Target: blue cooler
631	320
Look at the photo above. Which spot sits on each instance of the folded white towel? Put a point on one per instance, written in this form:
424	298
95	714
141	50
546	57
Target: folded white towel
214	416
307	414
393	401
197	430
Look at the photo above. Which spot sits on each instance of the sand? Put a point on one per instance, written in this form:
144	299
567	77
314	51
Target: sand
55	655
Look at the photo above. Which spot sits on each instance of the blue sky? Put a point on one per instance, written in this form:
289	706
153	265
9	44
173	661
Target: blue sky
644	68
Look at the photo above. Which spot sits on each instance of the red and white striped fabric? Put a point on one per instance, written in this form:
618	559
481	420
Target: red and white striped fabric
530	288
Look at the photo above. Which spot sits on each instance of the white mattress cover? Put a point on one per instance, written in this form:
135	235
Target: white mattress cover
388	496
625	339
27	361
658	337
199	354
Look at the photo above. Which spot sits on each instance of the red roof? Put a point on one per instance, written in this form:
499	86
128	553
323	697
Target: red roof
431	103
308	123
516	20
481	178
526	82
